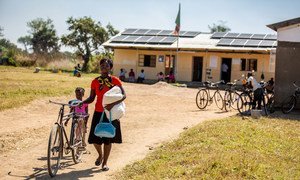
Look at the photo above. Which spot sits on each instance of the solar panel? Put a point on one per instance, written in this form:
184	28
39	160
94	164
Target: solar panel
130	39
118	38
190	34
238	42
244	36
231	35
143	39
141	31
224	42
271	37
153	32
168	40
165	33
218	35
266	43
181	33
258	36
129	31
252	43
156	39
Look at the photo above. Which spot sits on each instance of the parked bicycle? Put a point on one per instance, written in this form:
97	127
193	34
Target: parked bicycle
291	102
58	136
245	102
204	98
231	96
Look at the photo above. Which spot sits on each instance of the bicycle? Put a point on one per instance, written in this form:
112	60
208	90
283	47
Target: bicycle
246	101
203	96
58	135
291	102
231	97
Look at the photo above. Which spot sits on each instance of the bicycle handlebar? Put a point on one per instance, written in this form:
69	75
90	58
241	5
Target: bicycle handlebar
72	103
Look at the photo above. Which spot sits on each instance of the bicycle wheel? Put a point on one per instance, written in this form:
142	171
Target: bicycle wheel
202	98
227	100
54	150
76	142
234	99
288	104
244	104
219	100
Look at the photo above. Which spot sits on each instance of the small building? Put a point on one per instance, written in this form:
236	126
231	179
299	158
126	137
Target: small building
287	57
194	56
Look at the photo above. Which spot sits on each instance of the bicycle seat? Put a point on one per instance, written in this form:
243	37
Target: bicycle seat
74	103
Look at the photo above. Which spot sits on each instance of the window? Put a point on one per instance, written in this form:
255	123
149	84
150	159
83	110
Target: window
248	64
147	60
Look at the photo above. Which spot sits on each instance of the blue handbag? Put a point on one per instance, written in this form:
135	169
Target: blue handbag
104	129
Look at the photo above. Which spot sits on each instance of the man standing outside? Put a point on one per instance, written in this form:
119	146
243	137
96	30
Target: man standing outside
257	90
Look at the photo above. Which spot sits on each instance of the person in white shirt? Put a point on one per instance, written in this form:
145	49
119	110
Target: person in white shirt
224	69
141	77
257	90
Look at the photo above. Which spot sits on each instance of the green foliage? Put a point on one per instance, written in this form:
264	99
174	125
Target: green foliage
86	36
26	41
42	36
230	148
220	27
111	30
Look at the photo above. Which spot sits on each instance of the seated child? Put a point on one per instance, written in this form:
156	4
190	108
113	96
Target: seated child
160	76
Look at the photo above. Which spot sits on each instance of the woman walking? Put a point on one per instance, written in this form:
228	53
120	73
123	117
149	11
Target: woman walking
99	87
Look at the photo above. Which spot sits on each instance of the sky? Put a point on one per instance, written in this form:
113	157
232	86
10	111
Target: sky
242	16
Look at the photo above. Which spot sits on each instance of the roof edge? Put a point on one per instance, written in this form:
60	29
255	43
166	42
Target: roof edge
285	23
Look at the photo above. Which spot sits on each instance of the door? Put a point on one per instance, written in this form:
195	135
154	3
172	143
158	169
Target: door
226	69
197	68
169	64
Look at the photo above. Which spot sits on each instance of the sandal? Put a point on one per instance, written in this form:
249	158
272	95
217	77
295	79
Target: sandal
98	162
105	168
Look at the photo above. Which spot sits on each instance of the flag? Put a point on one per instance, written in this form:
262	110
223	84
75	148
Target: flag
177	21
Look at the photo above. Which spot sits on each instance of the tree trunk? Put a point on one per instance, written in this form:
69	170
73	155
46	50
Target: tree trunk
86	59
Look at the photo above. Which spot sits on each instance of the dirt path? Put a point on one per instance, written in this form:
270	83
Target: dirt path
155	113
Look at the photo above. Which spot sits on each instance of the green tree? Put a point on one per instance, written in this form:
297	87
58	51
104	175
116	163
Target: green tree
220	27
26	41
43	36
86	36
111	30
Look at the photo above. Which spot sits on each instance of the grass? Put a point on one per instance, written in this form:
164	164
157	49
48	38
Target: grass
19	86
229	148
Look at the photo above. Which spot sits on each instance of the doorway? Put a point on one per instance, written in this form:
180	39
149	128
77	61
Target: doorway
170	64
197	68
226	69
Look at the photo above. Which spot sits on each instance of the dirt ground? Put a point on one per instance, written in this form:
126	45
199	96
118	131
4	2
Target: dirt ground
155	114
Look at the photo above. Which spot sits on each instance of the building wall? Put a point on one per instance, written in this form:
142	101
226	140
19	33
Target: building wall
289	33
128	59
287	70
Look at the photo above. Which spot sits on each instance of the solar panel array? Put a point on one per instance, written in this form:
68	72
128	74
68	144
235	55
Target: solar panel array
245	40
151	36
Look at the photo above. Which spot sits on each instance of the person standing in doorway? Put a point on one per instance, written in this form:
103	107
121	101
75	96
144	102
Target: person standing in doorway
224	69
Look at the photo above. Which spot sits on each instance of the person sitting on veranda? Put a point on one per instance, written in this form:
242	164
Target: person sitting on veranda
141	77
131	76
122	74
160	76
171	77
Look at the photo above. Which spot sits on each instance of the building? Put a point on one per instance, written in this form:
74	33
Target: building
200	56
287	57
